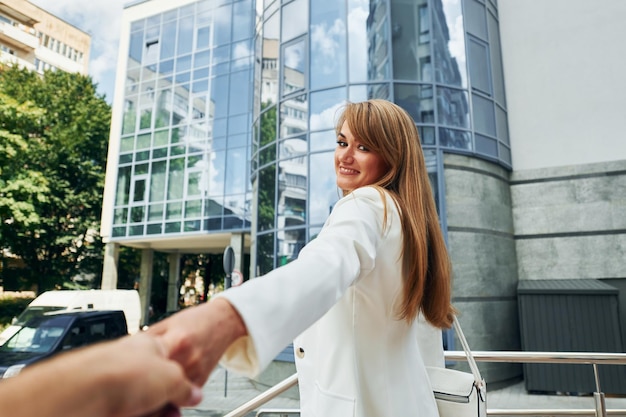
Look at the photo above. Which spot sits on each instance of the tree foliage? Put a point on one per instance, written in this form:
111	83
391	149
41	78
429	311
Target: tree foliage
53	142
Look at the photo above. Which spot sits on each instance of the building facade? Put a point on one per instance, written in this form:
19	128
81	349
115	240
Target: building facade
37	40
223	135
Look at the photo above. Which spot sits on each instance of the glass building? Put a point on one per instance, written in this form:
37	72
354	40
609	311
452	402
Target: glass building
223	135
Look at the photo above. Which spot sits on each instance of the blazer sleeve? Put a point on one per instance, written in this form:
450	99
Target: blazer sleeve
283	303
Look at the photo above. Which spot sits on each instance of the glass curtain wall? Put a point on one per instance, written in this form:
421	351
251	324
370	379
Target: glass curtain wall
439	60
185	139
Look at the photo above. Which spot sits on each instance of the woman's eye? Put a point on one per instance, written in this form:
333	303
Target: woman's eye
363	148
341	143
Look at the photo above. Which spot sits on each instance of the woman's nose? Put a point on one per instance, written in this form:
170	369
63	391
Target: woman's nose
346	155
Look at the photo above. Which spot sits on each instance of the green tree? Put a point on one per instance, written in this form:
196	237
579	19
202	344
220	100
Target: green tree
54	131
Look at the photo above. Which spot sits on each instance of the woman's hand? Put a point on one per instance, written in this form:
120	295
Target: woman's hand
196	337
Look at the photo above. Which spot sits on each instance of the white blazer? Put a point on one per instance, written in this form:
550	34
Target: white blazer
338	300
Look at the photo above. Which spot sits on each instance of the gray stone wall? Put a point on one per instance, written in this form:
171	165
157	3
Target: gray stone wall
570	222
482	247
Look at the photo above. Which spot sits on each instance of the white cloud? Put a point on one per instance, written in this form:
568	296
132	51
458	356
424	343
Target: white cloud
101	19
456	45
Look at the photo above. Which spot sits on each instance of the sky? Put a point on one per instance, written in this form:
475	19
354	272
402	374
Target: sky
101	19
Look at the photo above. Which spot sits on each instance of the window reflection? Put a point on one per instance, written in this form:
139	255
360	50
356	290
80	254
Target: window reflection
322	187
417	100
323	141
292	147
365	92
325	106
452	138
452	107
295	19
292	192
358	13
328	43
293	67
293	116
430	158
265	253
449	50
377	41
266	197
484	116
290	242
269	75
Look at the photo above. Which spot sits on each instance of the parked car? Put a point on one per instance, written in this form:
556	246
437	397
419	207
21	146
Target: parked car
44	336
67	300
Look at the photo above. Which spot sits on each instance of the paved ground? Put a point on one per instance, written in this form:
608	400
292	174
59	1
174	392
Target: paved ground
220	398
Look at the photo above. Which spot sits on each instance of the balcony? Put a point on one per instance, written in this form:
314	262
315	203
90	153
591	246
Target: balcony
12	59
19	37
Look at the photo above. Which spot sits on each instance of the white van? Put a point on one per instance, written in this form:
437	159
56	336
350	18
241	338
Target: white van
65	300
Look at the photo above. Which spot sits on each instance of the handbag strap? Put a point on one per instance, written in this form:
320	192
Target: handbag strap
468	353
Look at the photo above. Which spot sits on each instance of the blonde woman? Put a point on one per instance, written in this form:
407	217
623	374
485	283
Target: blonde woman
365	301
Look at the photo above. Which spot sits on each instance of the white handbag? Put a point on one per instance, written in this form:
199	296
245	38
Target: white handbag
458	393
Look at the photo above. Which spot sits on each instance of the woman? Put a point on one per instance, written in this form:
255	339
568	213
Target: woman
365	300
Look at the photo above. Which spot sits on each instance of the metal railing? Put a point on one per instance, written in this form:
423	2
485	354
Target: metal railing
584	358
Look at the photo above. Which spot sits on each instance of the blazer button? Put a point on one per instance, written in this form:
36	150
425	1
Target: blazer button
300	353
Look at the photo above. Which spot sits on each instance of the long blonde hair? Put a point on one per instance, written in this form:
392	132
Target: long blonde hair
389	131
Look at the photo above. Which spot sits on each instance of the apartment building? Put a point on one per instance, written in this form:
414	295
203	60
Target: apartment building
37	40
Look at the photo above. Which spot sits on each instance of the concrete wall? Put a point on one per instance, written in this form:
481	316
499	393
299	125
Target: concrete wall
564	81
570	222
482	248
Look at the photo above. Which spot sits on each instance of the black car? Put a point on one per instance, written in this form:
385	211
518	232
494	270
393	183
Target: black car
47	335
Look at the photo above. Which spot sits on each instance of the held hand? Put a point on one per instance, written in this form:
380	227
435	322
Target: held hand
143	379
198	336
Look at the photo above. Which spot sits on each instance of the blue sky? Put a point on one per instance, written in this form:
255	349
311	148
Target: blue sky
101	19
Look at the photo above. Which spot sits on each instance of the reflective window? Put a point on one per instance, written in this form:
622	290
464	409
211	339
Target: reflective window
265	253
449	50
239	92
502	126
270	63
294	63
452	138
475	16
185	35
479	66
219	96
292	147
223	25
322	187
324	140
236	164
325	106
417	100
289	244
452	107
168	41
410	40
242	15
328	43
292	192
378	41
484	116
485	145
293	116
266	198
295	19
358	13
496	60
217	171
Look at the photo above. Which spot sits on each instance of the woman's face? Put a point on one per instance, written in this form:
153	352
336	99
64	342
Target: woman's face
355	165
